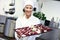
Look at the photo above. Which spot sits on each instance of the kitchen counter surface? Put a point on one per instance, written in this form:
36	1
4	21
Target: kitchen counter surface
52	35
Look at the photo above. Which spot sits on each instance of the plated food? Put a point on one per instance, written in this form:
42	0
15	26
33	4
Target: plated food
33	30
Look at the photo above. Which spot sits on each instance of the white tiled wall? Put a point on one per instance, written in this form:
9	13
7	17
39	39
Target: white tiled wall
51	9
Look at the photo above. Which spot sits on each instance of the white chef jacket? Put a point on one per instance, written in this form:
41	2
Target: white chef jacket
24	22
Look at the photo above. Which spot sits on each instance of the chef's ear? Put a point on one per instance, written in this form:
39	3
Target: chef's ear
23	10
34	9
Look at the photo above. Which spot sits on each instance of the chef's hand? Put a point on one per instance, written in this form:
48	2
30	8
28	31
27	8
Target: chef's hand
18	36
18	33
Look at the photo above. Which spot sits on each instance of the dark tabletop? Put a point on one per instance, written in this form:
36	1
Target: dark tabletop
52	35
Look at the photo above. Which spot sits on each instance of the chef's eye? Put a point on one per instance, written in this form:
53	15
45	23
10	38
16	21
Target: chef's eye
30	8
26	7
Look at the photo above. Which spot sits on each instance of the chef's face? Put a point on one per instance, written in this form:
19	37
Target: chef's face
28	10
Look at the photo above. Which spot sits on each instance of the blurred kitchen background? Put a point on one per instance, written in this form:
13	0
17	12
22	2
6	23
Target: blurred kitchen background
10	10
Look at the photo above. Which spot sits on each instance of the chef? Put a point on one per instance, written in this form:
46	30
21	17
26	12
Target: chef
27	20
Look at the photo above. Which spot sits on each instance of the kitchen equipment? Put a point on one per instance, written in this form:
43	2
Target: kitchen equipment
2	28
52	23
2	23
9	27
47	22
2	19
59	24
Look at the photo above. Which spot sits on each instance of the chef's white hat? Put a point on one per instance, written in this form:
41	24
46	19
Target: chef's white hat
29	2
